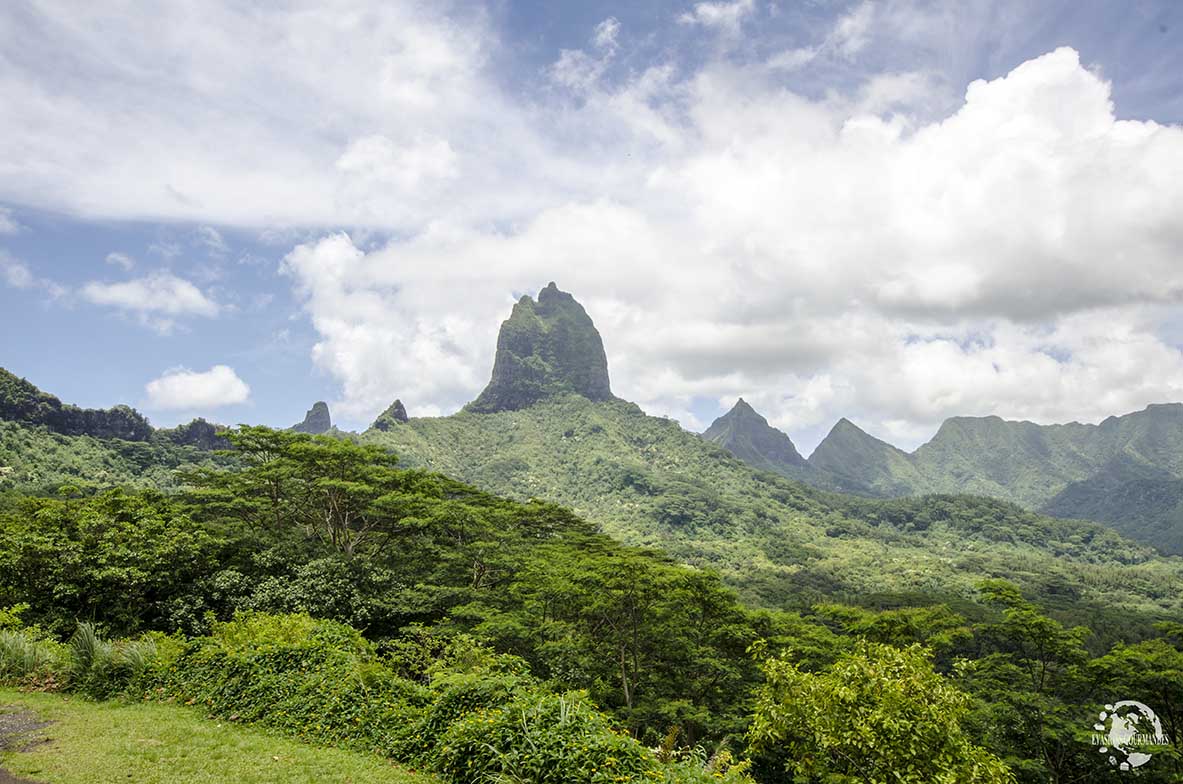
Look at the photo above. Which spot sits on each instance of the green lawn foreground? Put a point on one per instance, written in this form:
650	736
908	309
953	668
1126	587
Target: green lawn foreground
152	743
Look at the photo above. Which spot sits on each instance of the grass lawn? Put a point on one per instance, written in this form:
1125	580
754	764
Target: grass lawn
105	742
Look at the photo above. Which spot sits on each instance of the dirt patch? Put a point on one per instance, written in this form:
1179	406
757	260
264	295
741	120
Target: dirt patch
8	778
17	728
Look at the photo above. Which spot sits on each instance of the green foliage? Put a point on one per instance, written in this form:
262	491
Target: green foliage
1125	472
638	633
22	402
1151	672
26	660
1030	688
125	560
101	668
646	481
936	627
340	598
455	697
333	489
317	680
552	739
36	460
878	714
481	716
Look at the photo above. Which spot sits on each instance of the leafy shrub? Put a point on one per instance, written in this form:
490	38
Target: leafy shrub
456	697
318	680
878	713
695	766
542	739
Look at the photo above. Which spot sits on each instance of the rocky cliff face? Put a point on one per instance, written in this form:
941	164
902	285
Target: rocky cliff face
199	433
392	417
545	348
316	421
21	401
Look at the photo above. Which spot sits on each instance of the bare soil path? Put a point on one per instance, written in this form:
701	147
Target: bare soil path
16	727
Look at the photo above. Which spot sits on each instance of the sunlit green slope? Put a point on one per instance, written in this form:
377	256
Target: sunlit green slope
647	481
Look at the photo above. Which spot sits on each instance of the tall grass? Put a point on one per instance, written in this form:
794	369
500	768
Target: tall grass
25	659
102	668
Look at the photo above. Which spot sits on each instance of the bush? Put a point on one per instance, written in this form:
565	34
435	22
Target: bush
318	680
482	718
456	697
542	739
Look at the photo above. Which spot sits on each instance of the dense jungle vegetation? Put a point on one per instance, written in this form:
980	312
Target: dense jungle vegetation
315	586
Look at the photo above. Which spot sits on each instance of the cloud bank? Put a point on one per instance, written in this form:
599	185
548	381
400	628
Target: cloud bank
844	254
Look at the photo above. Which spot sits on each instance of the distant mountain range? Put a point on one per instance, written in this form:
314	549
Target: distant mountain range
540	431
1126	472
549	427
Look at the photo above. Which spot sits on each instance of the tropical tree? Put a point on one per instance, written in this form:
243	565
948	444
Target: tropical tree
878	714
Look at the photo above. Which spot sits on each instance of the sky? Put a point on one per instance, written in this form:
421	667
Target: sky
892	211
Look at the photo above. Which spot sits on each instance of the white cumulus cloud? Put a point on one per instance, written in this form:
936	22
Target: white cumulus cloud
157	299
119	259
817	259
181	389
726	16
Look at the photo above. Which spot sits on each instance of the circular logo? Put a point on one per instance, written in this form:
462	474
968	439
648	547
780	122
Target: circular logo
1127	728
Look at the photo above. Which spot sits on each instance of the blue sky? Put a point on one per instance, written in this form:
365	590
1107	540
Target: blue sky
890	211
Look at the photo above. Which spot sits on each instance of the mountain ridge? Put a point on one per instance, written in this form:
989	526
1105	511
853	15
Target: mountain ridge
647	481
1026	463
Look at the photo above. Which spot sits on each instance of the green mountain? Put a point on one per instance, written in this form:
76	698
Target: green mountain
1069	470
394	415
866	464
21	401
743	432
646	481
45	443
545	348
748	436
1143	502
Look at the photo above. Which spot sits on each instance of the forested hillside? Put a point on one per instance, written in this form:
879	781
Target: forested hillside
1071	471
21	401
647	481
316	588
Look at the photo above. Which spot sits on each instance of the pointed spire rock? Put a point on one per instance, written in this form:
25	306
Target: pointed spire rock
747	435
547	347
316	421
392	417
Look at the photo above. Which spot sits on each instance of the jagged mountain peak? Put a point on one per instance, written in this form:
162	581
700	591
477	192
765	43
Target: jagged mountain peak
316	421
745	433
394	415
547	347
